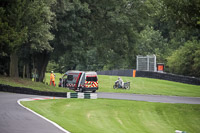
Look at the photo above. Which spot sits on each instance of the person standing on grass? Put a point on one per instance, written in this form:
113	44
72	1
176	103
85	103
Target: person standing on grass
52	78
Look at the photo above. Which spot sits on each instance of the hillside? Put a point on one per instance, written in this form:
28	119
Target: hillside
149	86
28	83
138	85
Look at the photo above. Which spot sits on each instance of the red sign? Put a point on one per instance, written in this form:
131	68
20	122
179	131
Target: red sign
160	67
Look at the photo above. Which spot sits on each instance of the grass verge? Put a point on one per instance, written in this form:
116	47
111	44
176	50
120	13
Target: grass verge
149	86
28	83
138	85
121	116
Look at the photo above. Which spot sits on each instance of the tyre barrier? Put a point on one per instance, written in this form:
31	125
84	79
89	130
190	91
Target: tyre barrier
82	95
23	90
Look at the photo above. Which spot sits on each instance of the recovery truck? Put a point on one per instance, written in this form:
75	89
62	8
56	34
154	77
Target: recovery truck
80	81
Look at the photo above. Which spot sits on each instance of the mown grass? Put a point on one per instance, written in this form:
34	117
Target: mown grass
118	116
138	85
28	83
149	86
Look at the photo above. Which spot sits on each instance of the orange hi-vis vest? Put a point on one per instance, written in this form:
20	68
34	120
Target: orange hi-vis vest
52	77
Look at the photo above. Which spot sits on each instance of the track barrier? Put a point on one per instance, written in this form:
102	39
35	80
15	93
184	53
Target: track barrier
177	131
82	95
23	90
150	74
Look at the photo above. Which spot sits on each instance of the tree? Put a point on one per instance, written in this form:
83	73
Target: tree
185	60
5	30
152	42
26	29
107	29
180	21
39	35
72	35
14	32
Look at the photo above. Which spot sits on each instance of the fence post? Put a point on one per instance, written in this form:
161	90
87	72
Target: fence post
134	73
147	62
137	64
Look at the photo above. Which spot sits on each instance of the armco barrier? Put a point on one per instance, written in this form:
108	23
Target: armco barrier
169	76
156	75
128	72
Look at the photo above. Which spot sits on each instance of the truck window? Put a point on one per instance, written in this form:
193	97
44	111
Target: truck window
70	77
65	77
91	78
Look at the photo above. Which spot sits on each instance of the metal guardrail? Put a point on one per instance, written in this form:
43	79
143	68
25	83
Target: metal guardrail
156	75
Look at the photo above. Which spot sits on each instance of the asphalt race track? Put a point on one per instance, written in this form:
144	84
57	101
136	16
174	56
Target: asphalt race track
16	119
150	98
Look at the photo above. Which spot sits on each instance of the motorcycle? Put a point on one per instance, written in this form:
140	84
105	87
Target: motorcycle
126	85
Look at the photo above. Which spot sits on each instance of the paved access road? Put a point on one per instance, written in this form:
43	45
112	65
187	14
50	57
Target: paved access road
150	98
16	119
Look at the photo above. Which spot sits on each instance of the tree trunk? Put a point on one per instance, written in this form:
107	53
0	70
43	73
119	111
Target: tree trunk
35	75
41	61
14	65
24	71
28	71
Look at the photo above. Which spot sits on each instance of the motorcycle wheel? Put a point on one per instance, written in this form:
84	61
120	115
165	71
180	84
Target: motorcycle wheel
115	87
127	87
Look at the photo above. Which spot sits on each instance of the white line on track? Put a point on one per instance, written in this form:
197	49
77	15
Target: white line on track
32	99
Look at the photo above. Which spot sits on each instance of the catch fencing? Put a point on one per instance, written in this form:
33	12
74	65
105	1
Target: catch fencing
146	63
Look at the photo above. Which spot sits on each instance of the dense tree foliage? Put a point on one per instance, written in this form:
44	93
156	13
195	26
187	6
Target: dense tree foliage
97	35
186	60
26	33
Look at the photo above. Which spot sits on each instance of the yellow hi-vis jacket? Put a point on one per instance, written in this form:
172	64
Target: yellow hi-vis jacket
52	77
